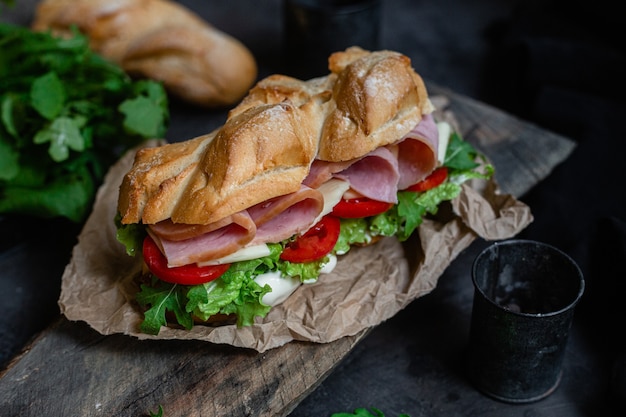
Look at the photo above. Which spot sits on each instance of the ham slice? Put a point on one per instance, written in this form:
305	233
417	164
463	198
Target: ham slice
381	173
378	175
282	217
219	239
169	230
271	221
374	176
322	171
417	152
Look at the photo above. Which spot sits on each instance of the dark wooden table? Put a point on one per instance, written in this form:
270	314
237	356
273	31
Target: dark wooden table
411	364
70	369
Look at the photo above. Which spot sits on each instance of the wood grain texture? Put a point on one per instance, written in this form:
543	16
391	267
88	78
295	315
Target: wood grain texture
71	370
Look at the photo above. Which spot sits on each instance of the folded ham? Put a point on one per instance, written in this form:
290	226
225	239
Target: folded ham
213	241
256	179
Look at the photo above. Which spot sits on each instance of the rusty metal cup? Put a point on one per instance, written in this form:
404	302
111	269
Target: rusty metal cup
524	298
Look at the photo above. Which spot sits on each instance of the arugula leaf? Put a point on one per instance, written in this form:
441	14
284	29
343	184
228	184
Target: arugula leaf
141	113
163	297
460	155
66	115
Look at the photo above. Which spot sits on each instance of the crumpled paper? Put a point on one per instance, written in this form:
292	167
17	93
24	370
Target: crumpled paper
369	285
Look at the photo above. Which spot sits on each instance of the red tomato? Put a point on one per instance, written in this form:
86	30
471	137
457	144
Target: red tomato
431	181
185	275
355	208
315	243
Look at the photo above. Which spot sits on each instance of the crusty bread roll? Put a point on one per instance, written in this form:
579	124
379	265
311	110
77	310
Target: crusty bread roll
377	98
161	40
260	153
266	147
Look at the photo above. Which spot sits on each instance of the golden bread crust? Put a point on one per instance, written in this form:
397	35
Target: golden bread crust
266	147
378	98
258	154
148	187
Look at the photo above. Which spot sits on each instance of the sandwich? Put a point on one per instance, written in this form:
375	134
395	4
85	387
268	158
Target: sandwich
231	223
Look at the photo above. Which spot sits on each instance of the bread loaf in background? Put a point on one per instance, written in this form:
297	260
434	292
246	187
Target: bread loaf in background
161	40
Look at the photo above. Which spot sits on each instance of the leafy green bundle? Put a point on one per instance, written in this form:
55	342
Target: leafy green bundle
66	115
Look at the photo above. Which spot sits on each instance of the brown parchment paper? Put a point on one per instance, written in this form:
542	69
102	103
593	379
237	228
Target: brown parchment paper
368	286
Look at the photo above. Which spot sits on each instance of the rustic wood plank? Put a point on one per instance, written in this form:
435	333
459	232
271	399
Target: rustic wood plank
72	370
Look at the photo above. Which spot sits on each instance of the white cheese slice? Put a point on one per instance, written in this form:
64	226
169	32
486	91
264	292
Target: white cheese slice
333	191
243	254
444	129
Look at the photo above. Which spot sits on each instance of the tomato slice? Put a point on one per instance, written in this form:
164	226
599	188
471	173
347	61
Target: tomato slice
431	181
185	275
315	243
355	208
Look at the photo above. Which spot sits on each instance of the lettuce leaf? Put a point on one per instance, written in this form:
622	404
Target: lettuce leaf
130	235
234	292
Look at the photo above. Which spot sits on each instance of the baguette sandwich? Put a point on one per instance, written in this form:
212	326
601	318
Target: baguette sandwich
230	223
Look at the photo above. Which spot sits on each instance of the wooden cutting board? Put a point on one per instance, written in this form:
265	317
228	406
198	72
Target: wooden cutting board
71	370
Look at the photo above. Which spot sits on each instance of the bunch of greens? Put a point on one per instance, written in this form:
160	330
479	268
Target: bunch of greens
66	115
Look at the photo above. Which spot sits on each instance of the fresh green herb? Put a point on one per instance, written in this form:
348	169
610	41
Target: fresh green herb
66	115
158	413
363	412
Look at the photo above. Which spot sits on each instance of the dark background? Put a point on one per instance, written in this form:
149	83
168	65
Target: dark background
558	64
